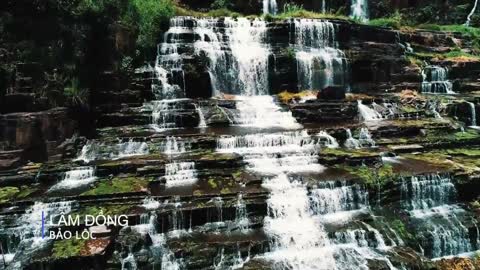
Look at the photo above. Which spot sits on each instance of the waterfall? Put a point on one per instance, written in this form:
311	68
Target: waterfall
333	197
129	262
129	149
359	10
296	237
165	113
364	139
429	200
173	145
274	153
88	153
435	81
467	23
473	114
75	178
351	142
202	123
261	111
241	214
270	7
150	204
238	56
329	141
159	246
366	113
319	62
180	174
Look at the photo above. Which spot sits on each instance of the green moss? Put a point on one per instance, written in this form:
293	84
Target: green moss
25	191
348	152
212	183
119	185
8	193
373	177
105	210
68	248
399	226
225	190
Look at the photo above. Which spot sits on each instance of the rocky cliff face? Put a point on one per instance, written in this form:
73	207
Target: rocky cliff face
246	144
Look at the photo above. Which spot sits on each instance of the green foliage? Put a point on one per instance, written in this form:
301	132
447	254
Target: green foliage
212	183
8	193
222	4
374	177
394	21
75	95
154	16
296	11
119	185
68	248
126	66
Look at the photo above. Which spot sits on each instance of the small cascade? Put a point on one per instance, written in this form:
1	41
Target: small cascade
254	111
319	62
173	146
159	246
469	17
241	214
351	142
75	178
180	174
327	140
218	203
297	238
165	113
129	262
150	204
88	153
473	114
176	219
334	197
364	139
435	81
367	114
201	116
237	53
359	10
429	200
274	153
270	7
130	148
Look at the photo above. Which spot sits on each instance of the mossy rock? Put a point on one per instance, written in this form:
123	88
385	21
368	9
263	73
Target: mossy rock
119	185
8	193
67	248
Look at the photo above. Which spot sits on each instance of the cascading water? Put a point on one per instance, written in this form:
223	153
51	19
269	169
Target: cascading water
327	140
366	113
364	139
253	111
173	146
270	7
296	237
473	114
319	62
241	215
75	178
130	148
201	116
180	174
429	200
237	53
435	81
88	153
469	17
359	10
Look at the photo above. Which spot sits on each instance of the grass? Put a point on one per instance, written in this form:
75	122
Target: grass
119	185
373	177
8	193
395	21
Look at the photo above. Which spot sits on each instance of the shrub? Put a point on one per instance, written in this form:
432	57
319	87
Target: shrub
222	4
154	16
76	96
394	21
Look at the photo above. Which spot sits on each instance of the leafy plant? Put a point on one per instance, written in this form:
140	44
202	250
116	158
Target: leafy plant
154	16
75	95
220	4
394	21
